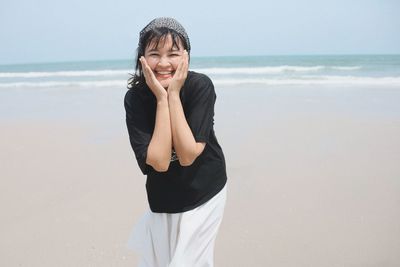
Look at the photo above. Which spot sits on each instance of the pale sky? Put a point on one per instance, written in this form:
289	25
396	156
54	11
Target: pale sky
68	30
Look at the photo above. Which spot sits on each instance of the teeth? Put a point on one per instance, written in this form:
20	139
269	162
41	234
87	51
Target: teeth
163	72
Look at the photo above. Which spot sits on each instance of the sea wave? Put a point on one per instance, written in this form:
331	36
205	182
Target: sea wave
108	83
300	80
314	80
216	71
345	67
275	69
82	73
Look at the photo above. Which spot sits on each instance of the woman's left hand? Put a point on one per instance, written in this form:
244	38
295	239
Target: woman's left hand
180	75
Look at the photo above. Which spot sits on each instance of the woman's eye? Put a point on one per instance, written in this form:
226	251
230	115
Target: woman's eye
153	54
175	54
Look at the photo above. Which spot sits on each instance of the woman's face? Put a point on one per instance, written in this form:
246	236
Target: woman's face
164	59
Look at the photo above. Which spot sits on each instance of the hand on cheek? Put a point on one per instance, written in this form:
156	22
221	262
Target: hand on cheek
180	74
151	79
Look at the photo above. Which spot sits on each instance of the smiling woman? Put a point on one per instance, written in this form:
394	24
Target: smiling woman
170	121
164	58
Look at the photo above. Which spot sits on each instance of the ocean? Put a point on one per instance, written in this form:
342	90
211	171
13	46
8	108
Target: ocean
226	71
252	88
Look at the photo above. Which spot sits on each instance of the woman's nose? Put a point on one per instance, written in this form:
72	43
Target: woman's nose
163	61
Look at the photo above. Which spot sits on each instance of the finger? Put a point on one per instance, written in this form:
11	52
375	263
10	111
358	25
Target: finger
143	63
179	69
186	58
146	73
147	70
185	64
181	65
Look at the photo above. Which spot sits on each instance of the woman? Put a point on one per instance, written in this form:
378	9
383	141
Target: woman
170	118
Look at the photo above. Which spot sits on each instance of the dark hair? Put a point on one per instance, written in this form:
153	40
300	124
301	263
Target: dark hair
156	35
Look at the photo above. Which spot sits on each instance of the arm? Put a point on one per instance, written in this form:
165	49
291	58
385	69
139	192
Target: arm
159	150
184	143
139	129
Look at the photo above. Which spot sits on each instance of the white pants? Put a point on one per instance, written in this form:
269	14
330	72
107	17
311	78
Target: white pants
179	239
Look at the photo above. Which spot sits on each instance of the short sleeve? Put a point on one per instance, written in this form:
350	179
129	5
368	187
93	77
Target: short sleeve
200	115
139	129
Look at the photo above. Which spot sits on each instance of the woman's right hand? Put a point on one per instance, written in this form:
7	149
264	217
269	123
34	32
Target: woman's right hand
151	80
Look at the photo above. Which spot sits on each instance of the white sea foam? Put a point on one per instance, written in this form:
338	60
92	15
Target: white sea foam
107	83
217	71
300	80
346	67
314	80
260	70
275	69
82	73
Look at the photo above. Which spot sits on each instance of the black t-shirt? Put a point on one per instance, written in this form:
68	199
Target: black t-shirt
180	188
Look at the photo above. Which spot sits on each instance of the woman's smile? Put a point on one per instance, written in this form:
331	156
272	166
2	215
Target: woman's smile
164	74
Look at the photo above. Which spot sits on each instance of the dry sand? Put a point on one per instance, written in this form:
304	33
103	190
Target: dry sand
313	188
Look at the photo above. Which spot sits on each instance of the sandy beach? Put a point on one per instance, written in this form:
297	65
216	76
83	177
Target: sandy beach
313	177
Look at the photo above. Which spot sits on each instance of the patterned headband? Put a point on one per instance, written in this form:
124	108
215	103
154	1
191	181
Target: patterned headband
166	22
